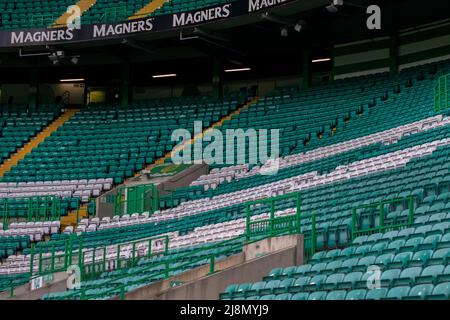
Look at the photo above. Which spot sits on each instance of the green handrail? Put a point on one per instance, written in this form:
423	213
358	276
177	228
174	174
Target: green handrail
382	227
294	221
442	93
46	208
193	258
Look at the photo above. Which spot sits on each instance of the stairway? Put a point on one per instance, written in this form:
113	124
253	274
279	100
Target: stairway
214	125
151	7
84	6
36	141
71	218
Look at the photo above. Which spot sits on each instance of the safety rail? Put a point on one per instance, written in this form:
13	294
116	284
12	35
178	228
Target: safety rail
171	265
442	93
30	209
383	224
291	222
136	199
48	260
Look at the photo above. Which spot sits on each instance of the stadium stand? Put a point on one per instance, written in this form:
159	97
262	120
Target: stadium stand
359	158
354	204
18	125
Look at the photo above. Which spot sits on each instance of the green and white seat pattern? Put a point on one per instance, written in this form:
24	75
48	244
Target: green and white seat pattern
412	264
19	126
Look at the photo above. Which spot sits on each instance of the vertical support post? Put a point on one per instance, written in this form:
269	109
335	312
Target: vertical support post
247	233
30	208
5	214
212	263
45	208
298	207
104	259
313	235
411	211
166	249
66	255
59	209
52	267
81	256
122	292
381	227
93	261
167	269
40	260
32	260
272	216
149	254
118	257
70	252
354	226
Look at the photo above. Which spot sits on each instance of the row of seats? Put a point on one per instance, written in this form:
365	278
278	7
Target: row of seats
102	143
423	291
16	128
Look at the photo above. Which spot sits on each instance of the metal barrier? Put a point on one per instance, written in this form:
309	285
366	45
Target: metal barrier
383	224
196	256
30	209
274	224
136	199
442	93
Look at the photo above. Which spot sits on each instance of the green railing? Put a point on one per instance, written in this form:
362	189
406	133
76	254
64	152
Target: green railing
310	240
221	249
136	199
442	93
383	224
273	224
51	259
30	209
48	259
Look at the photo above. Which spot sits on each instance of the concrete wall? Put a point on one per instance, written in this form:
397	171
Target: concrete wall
185	177
57	284
182	179
243	267
210	287
19	92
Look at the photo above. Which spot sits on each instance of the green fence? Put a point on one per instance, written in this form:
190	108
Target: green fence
49	258
57	256
30	209
212	252
136	199
442	93
310	240
378	211
274	224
